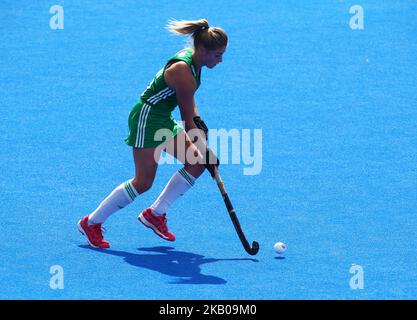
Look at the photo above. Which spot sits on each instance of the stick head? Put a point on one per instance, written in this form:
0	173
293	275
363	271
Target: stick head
254	249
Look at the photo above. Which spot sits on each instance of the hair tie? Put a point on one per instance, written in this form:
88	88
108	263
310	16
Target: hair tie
204	28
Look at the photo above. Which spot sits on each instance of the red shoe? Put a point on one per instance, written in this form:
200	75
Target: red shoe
157	223
93	234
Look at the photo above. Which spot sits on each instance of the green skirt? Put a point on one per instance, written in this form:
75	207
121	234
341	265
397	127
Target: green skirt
149	127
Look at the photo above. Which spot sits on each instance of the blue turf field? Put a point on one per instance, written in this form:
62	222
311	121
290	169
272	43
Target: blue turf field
337	109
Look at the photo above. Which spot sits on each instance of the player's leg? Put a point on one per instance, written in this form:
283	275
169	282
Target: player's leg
179	147
145	170
185	151
143	181
146	163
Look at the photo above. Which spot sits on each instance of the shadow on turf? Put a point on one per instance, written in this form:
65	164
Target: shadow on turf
184	266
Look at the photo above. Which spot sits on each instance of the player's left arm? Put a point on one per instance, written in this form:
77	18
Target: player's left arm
179	77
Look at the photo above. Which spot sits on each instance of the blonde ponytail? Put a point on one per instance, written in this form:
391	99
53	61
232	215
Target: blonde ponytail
211	38
185	27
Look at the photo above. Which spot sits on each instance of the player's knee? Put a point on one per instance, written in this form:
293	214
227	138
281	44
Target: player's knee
195	170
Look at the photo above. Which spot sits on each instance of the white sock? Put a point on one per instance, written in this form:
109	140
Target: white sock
179	183
118	199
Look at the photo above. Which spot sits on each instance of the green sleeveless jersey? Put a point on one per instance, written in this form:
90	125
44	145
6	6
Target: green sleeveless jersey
158	95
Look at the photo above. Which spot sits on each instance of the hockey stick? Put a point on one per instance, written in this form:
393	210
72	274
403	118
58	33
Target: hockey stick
252	250
215	174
